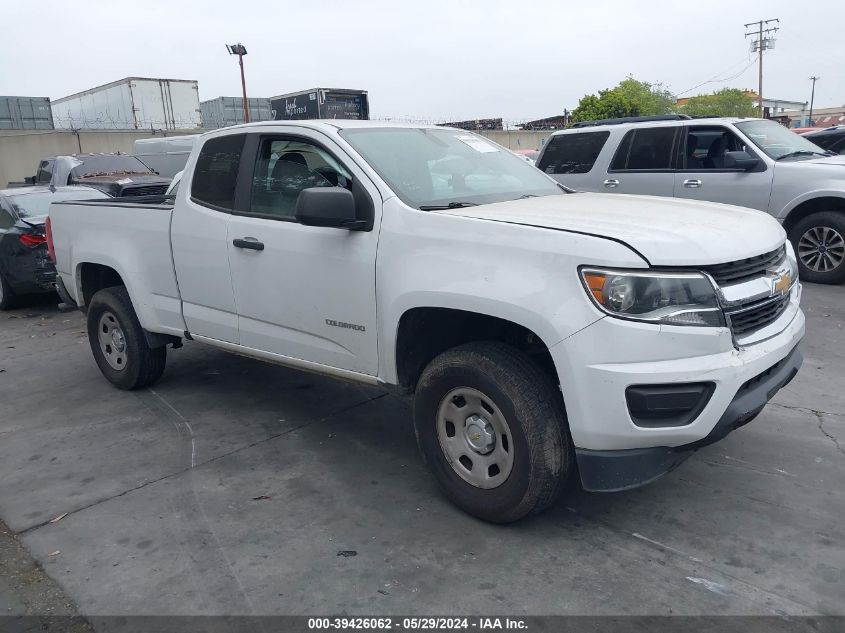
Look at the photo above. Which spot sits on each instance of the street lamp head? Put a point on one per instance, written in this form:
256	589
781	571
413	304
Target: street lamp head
236	49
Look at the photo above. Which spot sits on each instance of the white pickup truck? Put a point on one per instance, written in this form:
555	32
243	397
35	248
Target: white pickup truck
542	332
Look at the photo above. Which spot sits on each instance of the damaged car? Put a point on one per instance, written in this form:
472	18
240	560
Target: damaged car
25	266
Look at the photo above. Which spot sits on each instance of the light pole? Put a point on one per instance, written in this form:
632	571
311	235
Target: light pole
240	50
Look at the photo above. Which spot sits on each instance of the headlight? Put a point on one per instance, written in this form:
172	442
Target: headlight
792	261
670	298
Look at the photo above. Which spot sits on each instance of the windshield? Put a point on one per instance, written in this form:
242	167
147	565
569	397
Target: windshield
430	167
109	165
776	140
38	204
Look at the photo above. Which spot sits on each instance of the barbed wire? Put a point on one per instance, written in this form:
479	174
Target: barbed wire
104	120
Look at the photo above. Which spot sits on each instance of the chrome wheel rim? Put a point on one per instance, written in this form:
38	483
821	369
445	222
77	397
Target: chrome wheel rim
112	341
821	249
475	438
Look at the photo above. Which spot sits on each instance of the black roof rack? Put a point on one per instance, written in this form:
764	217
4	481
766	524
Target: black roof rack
632	119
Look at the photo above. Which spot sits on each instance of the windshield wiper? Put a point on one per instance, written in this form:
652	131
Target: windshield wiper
451	205
801	152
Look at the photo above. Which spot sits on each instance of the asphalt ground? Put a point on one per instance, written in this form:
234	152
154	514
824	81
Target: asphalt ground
235	487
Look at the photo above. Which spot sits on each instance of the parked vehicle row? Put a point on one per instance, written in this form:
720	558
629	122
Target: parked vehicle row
748	162
536	328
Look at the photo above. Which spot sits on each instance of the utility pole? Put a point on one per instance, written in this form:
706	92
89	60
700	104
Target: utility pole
764	41
812	98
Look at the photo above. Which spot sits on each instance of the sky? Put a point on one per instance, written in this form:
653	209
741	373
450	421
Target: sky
431	60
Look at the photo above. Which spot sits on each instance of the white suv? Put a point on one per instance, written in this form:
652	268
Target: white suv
747	162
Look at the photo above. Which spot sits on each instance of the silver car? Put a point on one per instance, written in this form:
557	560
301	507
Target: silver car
746	162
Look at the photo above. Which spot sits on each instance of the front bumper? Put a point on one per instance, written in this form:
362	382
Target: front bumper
596	366
609	471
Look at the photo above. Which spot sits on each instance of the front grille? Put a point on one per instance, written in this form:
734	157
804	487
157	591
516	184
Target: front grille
756	316
743	269
147	190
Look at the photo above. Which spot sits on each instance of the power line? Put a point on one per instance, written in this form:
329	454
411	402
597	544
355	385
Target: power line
715	78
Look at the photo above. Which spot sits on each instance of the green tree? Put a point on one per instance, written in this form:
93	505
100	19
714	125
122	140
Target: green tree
726	102
629	98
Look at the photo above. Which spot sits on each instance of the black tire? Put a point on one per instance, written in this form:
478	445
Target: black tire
805	233
533	409
8	299
143	365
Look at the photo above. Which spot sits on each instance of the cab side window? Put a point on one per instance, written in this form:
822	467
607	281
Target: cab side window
705	147
645	149
284	168
216	172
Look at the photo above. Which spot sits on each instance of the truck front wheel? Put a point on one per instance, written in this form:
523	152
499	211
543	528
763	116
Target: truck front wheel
819	242
118	342
492	428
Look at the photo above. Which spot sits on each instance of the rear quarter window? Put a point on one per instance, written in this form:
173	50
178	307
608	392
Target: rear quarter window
645	149
216	172
572	153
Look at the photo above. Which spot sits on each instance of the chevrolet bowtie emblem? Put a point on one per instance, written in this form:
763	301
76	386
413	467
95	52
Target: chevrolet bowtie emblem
782	283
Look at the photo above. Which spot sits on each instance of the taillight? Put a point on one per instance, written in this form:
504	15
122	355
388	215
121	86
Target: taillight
28	239
48	229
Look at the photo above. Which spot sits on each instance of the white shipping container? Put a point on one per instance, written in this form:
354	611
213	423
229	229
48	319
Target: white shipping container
133	103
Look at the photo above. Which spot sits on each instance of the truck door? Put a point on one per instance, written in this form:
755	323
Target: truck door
643	162
304	292
702	174
199	232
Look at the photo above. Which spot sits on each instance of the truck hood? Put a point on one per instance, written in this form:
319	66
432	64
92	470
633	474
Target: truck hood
826	160
124	179
666	231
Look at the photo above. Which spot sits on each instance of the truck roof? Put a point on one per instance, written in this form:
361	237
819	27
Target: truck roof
636	124
324	124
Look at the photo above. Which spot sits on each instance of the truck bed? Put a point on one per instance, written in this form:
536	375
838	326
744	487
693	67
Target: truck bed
130	236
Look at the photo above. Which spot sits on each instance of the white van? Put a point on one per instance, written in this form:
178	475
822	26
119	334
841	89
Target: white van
166	155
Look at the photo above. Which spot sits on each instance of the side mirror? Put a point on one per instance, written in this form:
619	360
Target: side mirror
30	180
740	160
328	206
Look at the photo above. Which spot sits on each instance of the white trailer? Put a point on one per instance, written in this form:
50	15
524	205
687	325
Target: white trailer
134	103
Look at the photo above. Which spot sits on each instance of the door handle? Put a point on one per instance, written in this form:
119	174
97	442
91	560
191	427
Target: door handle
692	183
611	183
249	243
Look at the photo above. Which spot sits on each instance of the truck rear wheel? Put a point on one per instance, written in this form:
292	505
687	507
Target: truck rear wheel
492	428
118	342
819	242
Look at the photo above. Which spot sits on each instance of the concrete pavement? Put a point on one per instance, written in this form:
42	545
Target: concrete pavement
237	487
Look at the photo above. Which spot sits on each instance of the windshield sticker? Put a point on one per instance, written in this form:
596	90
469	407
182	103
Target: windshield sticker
124	181
478	144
